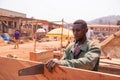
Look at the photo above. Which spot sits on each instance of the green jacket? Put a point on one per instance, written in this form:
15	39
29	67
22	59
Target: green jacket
88	57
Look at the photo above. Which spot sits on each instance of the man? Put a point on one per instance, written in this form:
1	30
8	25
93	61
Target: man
90	33
82	53
17	38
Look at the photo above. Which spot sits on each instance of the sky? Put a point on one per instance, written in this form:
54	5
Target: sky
69	10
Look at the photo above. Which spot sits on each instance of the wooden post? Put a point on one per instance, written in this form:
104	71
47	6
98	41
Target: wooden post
35	37
68	35
35	42
62	34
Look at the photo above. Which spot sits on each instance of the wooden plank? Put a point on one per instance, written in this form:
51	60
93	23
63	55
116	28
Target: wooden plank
111	69
65	73
42	56
110	66
110	46
112	62
9	69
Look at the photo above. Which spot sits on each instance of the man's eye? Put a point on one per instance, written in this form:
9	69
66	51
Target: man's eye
77	30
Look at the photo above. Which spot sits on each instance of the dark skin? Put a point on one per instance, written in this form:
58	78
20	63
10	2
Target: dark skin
79	34
80	37
51	64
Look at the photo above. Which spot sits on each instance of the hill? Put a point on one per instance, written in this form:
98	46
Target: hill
112	19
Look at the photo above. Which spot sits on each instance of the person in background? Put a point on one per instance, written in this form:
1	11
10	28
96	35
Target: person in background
17	38
90	33
82	53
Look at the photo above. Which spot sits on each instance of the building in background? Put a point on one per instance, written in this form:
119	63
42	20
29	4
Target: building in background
11	20
9	13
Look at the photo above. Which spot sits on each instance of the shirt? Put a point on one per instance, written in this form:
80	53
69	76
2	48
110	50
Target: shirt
76	50
17	34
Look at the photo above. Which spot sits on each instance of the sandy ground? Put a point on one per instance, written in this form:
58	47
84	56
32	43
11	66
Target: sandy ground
24	49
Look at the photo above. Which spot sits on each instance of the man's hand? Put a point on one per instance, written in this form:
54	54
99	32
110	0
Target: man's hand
52	63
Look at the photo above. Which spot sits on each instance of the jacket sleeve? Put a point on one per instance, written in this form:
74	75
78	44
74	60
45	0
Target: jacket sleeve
67	52
88	61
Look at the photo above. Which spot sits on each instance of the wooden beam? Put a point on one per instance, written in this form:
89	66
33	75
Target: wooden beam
9	71
41	56
65	73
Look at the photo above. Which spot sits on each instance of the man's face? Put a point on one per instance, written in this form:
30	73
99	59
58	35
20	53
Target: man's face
79	33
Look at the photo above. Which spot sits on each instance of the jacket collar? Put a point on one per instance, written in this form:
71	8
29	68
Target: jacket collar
83	46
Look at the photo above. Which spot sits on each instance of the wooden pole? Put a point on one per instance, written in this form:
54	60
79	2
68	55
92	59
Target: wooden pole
68	35
35	42
62	34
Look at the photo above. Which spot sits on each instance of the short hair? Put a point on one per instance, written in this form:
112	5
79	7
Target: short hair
80	23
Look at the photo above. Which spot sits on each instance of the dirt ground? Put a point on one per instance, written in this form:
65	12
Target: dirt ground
23	52
27	47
